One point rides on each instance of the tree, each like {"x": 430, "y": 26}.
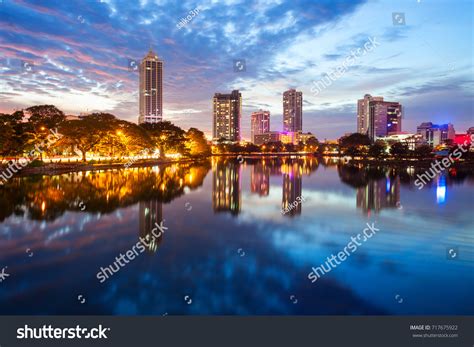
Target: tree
{"x": 423, "y": 151}
{"x": 399, "y": 149}
{"x": 11, "y": 133}
{"x": 352, "y": 151}
{"x": 48, "y": 116}
{"x": 377, "y": 149}
{"x": 312, "y": 143}
{"x": 196, "y": 142}
{"x": 43, "y": 119}
{"x": 168, "y": 137}
{"x": 355, "y": 139}
{"x": 87, "y": 133}
{"x": 132, "y": 137}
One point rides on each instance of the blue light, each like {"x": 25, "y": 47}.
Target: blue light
{"x": 441, "y": 190}
{"x": 387, "y": 189}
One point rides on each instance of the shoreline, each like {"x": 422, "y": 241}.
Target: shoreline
{"x": 51, "y": 169}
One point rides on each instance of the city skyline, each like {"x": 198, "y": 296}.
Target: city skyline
{"x": 83, "y": 65}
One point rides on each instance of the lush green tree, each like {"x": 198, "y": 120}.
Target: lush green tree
{"x": 196, "y": 142}
{"x": 399, "y": 149}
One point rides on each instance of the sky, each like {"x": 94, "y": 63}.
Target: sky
{"x": 75, "y": 55}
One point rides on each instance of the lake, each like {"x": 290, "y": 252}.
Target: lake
{"x": 237, "y": 243}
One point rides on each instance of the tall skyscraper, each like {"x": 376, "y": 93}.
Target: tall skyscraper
{"x": 292, "y": 111}
{"x": 151, "y": 89}
{"x": 363, "y": 112}
{"x": 227, "y": 111}
{"x": 260, "y": 123}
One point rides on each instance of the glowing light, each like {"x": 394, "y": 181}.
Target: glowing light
{"x": 441, "y": 190}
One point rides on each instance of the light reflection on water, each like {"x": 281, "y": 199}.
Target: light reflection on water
{"x": 229, "y": 246}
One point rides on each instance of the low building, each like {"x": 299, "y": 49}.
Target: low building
{"x": 271, "y": 136}
{"x": 304, "y": 137}
{"x": 435, "y": 134}
{"x": 412, "y": 140}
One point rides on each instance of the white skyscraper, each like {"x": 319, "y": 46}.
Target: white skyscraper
{"x": 151, "y": 89}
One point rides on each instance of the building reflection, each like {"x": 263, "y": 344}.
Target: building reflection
{"x": 150, "y": 215}
{"x": 379, "y": 194}
{"x": 226, "y": 195}
{"x": 292, "y": 188}
{"x": 260, "y": 179}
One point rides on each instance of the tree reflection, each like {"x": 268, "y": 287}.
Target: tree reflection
{"x": 48, "y": 197}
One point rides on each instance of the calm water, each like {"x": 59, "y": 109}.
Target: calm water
{"x": 229, "y": 249}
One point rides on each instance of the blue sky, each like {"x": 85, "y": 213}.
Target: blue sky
{"x": 79, "y": 51}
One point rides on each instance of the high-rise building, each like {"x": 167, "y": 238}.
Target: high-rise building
{"x": 363, "y": 112}
{"x": 292, "y": 111}
{"x": 227, "y": 111}
{"x": 151, "y": 89}
{"x": 435, "y": 134}
{"x": 385, "y": 118}
{"x": 260, "y": 123}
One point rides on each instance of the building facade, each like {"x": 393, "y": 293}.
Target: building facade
{"x": 363, "y": 112}
{"x": 435, "y": 134}
{"x": 260, "y": 123}
{"x": 270, "y": 136}
{"x": 227, "y": 111}
{"x": 151, "y": 89}
{"x": 292, "y": 111}
{"x": 377, "y": 118}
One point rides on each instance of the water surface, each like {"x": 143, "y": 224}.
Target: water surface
{"x": 229, "y": 249}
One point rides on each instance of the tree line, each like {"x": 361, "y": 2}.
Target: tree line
{"x": 99, "y": 133}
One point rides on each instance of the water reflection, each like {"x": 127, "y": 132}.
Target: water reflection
{"x": 49, "y": 197}
{"x": 237, "y": 206}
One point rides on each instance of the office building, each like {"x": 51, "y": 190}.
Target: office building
{"x": 363, "y": 112}
{"x": 435, "y": 134}
{"x": 260, "y": 123}
{"x": 151, "y": 89}
{"x": 227, "y": 111}
{"x": 292, "y": 111}
{"x": 385, "y": 118}
{"x": 270, "y": 136}
{"x": 377, "y": 118}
